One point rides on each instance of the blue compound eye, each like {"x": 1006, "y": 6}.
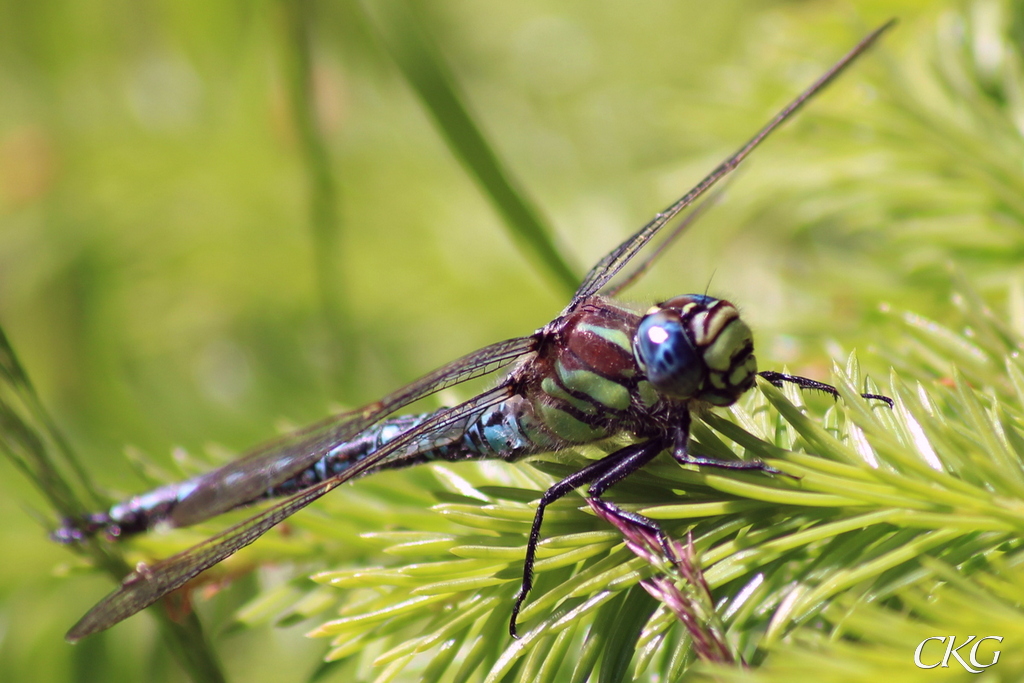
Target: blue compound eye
{"x": 664, "y": 351}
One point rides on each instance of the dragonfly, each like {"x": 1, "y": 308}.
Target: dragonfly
{"x": 598, "y": 371}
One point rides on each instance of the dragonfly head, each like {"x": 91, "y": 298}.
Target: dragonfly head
{"x": 696, "y": 347}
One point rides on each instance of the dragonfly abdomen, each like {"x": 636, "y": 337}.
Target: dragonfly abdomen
{"x": 346, "y": 454}
{"x": 499, "y": 432}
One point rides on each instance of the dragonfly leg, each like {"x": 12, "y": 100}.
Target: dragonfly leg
{"x": 628, "y": 464}
{"x": 778, "y": 378}
{"x": 682, "y": 455}
{"x": 600, "y": 474}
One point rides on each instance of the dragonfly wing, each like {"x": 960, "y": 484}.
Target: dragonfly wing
{"x": 148, "y": 584}
{"x": 242, "y": 481}
{"x": 615, "y": 260}
{"x": 640, "y": 268}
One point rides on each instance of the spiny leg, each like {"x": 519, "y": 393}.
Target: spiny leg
{"x": 604, "y": 473}
{"x": 616, "y": 465}
{"x": 613, "y": 468}
{"x": 631, "y": 462}
{"x": 682, "y": 455}
{"x": 777, "y": 379}
{"x": 617, "y": 472}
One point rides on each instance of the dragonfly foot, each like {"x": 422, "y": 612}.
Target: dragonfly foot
{"x": 778, "y": 378}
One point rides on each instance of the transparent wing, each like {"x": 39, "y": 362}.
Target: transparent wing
{"x": 243, "y": 480}
{"x": 148, "y": 584}
{"x": 653, "y": 254}
{"x": 615, "y": 260}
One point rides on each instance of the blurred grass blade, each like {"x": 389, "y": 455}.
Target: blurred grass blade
{"x": 324, "y": 220}
{"x": 410, "y": 46}
{"x": 30, "y": 440}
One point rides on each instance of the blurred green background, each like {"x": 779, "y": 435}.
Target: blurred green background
{"x": 177, "y": 271}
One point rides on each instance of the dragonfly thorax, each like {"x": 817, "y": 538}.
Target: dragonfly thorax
{"x": 696, "y": 347}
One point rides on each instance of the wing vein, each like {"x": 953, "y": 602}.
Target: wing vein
{"x": 148, "y": 584}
